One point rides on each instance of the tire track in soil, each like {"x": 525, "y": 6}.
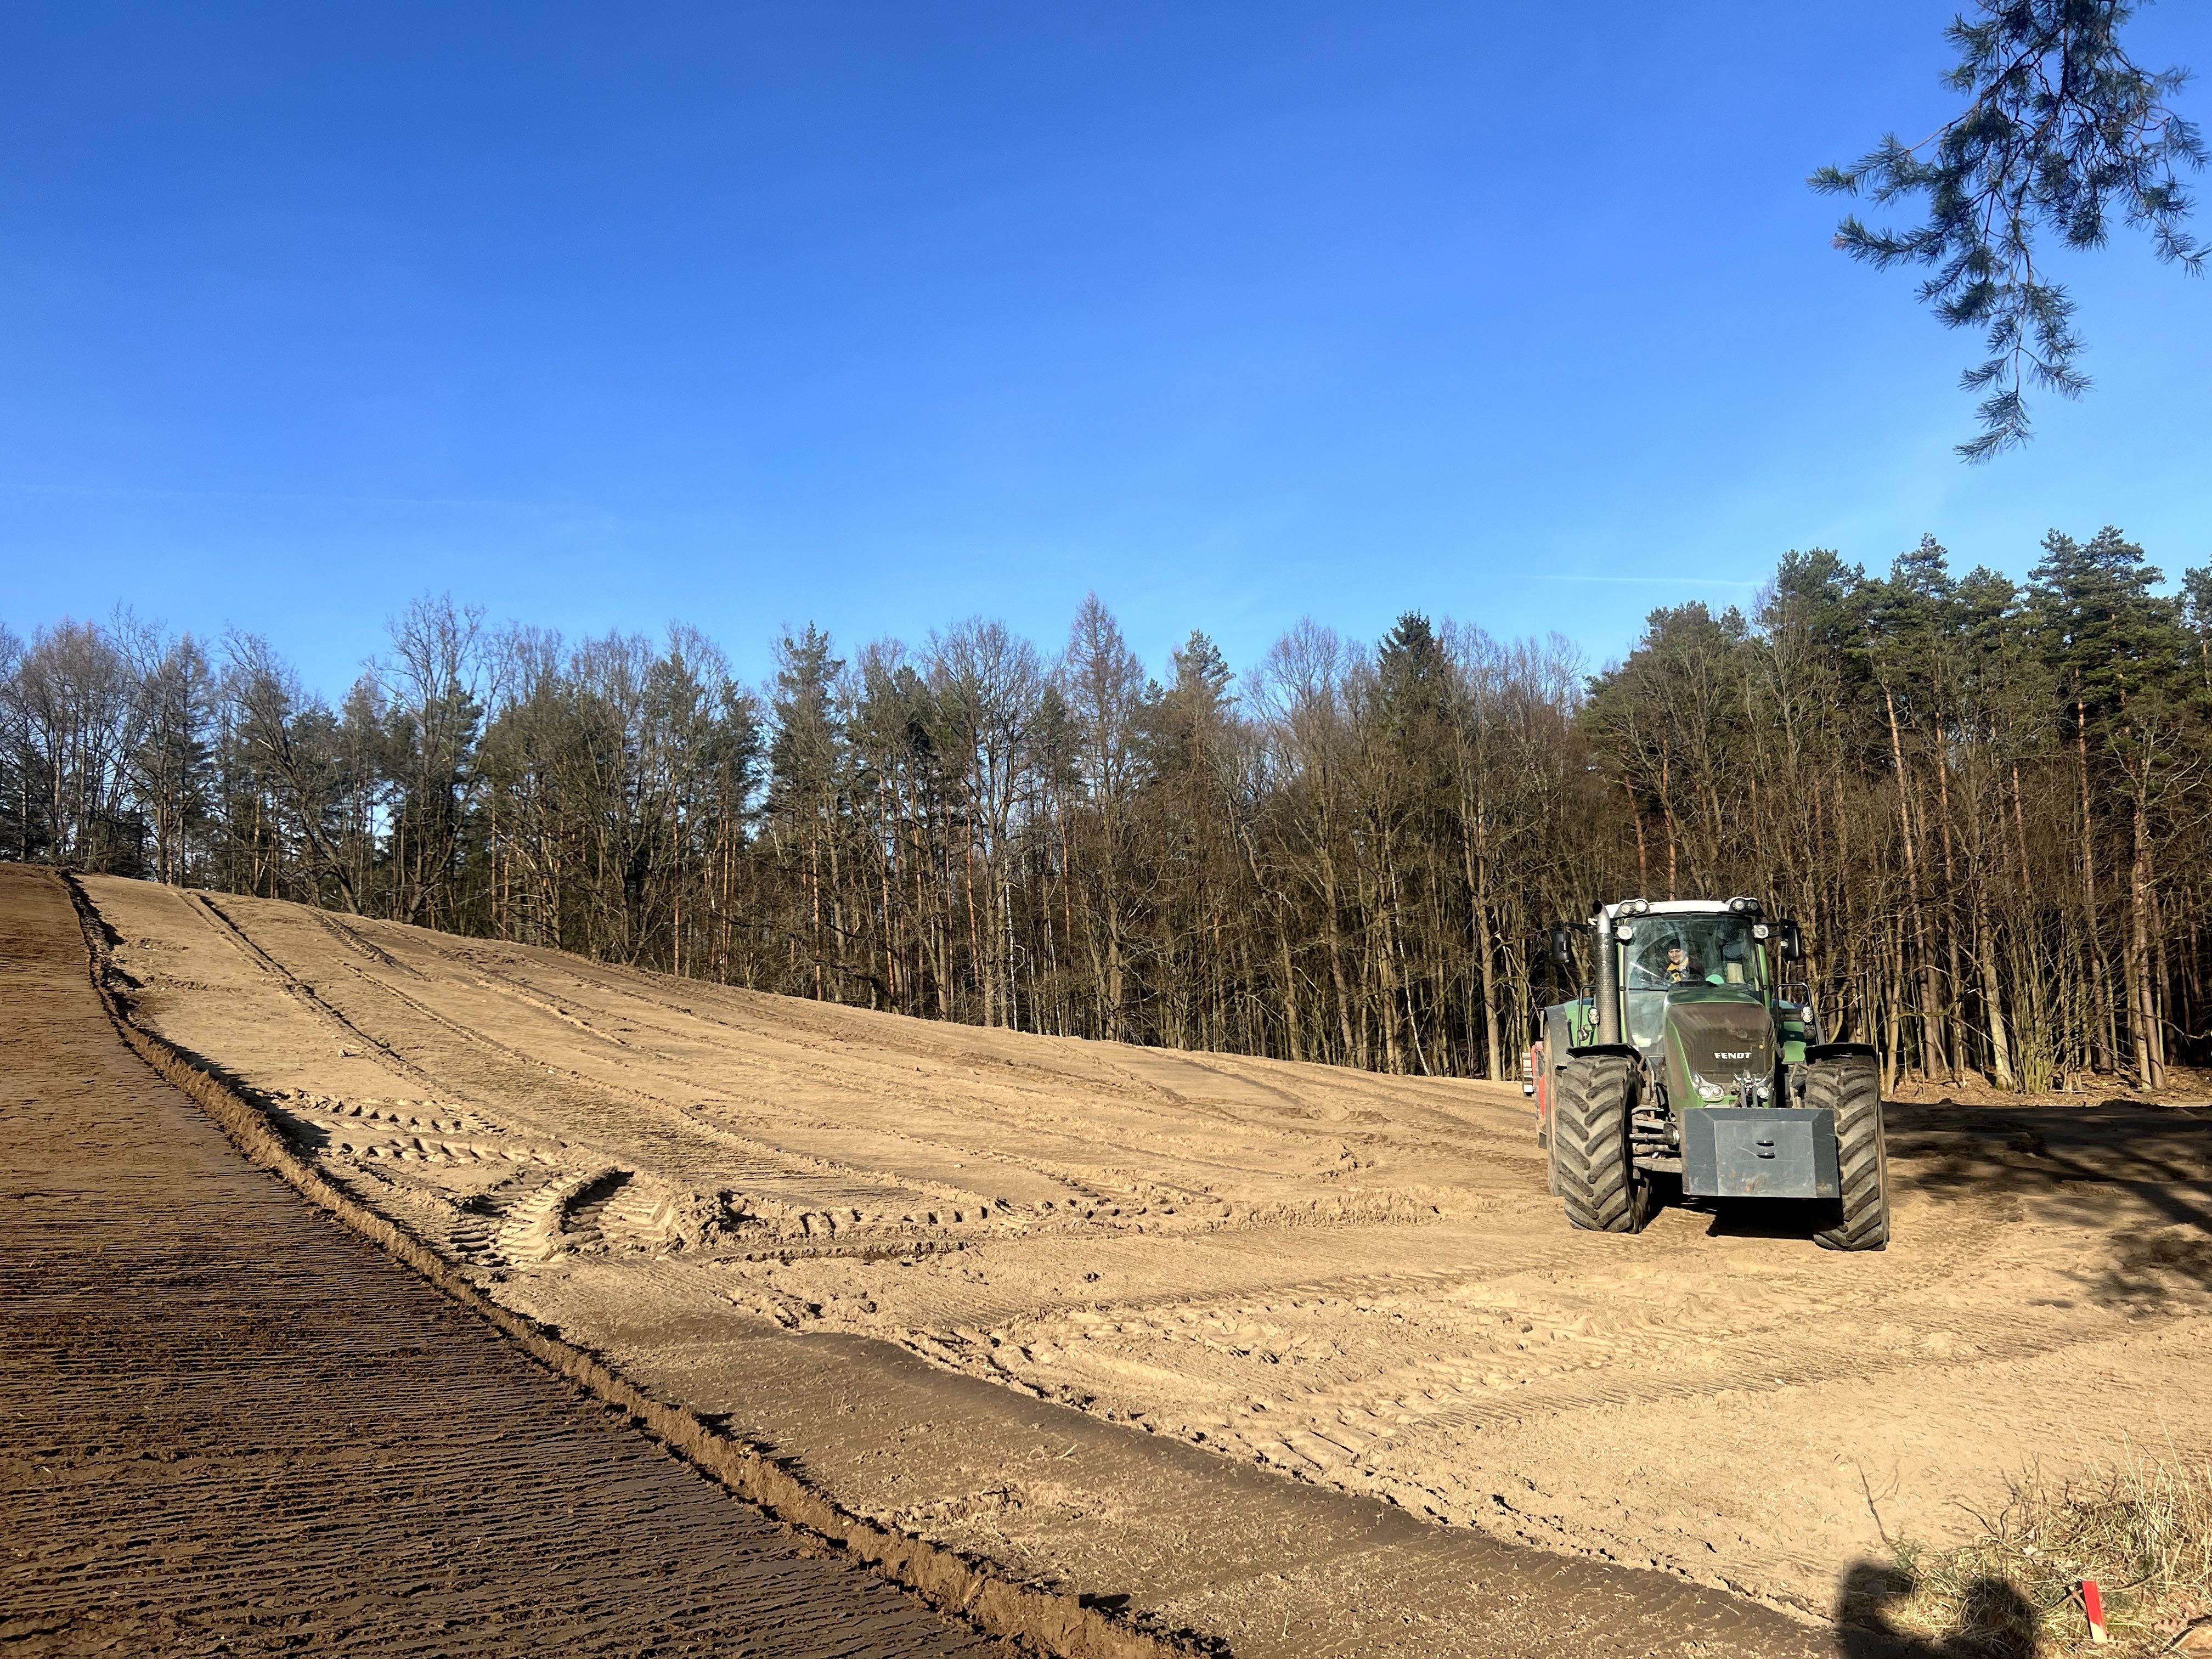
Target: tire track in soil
{"x": 521, "y": 991}
{"x": 236, "y": 1427}
{"x": 828, "y": 1060}
{"x": 660, "y": 1133}
{"x": 777, "y": 1166}
{"x": 1031, "y": 1090}
{"x": 532, "y": 1220}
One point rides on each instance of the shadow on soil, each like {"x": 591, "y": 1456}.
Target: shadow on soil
{"x": 1995, "y": 1622}
{"x": 2140, "y": 1174}
{"x": 1773, "y": 1218}
{"x": 2119, "y": 1166}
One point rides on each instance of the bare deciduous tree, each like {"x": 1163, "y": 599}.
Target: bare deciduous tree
{"x": 1987, "y": 802}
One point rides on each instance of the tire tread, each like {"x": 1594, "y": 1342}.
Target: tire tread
{"x": 1602, "y": 1187}
{"x": 1850, "y": 1086}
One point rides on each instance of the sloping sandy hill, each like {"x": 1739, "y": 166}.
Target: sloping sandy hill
{"x": 1356, "y": 1281}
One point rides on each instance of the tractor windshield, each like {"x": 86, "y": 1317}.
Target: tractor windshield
{"x": 1667, "y": 951}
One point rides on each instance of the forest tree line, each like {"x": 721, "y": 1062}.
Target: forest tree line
{"x": 1987, "y": 803}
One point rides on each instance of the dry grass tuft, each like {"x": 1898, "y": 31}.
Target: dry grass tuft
{"x": 2142, "y": 1529}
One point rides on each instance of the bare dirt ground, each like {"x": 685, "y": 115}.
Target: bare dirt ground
{"x": 1284, "y": 1273}
{"x": 231, "y": 1425}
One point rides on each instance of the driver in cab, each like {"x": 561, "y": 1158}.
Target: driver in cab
{"x": 1675, "y": 965}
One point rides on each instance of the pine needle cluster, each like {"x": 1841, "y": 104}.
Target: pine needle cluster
{"x": 2062, "y": 131}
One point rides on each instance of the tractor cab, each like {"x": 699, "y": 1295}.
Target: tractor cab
{"x": 1697, "y": 997}
{"x": 1685, "y": 1064}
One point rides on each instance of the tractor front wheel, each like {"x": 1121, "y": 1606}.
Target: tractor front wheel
{"x": 1604, "y": 1190}
{"x": 1850, "y": 1086}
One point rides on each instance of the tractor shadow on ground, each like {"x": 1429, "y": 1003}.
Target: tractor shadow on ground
{"x": 1764, "y": 1218}
{"x": 2141, "y": 1173}
{"x": 1995, "y": 1621}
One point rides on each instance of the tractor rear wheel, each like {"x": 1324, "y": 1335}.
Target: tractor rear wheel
{"x": 1604, "y": 1190}
{"x": 1850, "y": 1086}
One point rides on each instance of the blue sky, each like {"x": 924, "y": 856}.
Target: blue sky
{"x": 881, "y": 316}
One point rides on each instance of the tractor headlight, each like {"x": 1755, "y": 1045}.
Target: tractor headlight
{"x": 1623, "y": 931}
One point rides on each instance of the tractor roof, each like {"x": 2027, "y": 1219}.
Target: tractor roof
{"x": 1739, "y": 906}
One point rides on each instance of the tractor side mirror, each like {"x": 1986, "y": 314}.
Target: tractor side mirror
{"x": 1790, "y": 941}
{"x": 1563, "y": 948}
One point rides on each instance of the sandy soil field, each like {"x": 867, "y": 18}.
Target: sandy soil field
{"x": 1344, "y": 1280}
{"x": 230, "y": 1425}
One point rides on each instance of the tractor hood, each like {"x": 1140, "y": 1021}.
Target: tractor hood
{"x": 1716, "y": 1038}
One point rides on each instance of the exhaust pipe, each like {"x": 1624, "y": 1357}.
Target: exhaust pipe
{"x": 1608, "y": 984}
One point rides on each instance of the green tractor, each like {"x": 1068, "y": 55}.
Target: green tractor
{"x": 1684, "y": 1066}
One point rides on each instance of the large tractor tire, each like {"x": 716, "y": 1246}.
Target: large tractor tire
{"x": 1604, "y": 1191}
{"x": 1850, "y": 1086}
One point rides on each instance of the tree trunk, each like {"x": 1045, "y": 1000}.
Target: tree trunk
{"x": 2143, "y": 1013}
{"x": 1931, "y": 1035}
